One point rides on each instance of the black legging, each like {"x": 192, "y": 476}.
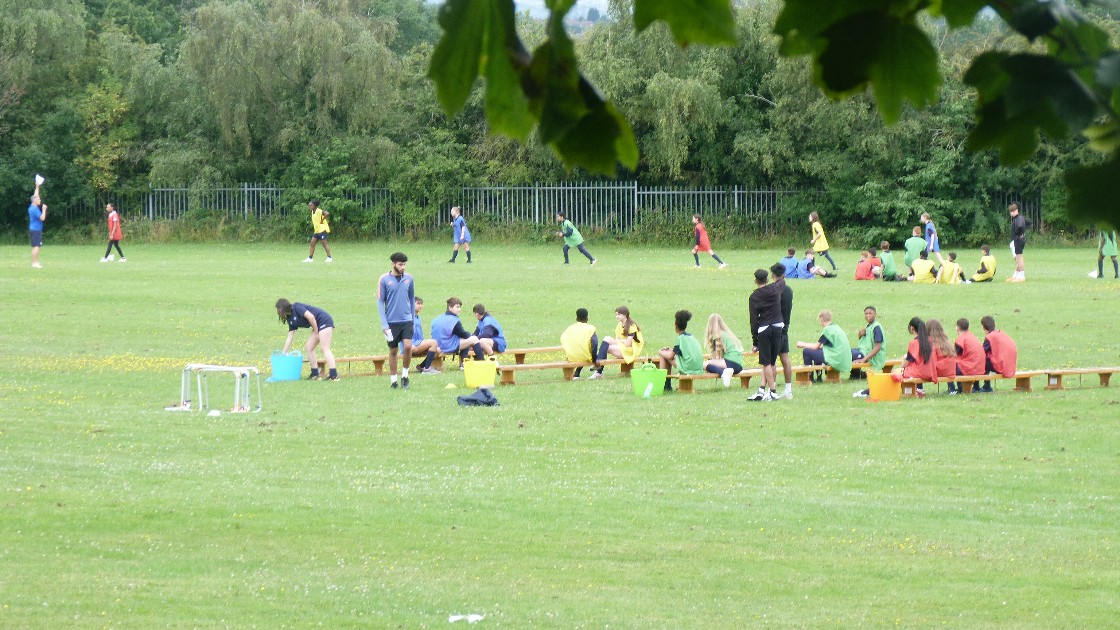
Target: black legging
{"x": 110, "y": 247}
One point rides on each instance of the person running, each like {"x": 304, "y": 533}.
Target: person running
{"x": 767, "y": 326}
{"x": 626, "y": 344}
{"x": 831, "y": 349}
{"x": 301, "y": 315}
{"x": 777, "y": 272}
{"x": 1002, "y": 356}
{"x": 933, "y": 243}
{"x": 580, "y": 342}
{"x": 113, "y": 220}
{"x": 987, "y": 270}
{"x": 572, "y": 238}
{"x": 460, "y": 235}
{"x": 396, "y": 307}
{"x": 1106, "y": 246}
{"x": 971, "y": 359}
{"x": 950, "y": 271}
{"x": 890, "y": 270}
{"x": 451, "y": 338}
{"x": 36, "y": 215}
{"x": 913, "y": 246}
{"x": 1018, "y": 242}
{"x": 687, "y": 355}
{"x": 871, "y": 346}
{"x": 726, "y": 350}
{"x": 320, "y": 228}
{"x": 701, "y": 242}
{"x": 489, "y": 331}
{"x": 819, "y": 244}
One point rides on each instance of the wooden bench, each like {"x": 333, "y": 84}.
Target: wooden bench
{"x": 1054, "y": 379}
{"x": 685, "y": 381}
{"x": 801, "y": 373}
{"x": 519, "y": 354}
{"x": 377, "y": 361}
{"x": 509, "y": 372}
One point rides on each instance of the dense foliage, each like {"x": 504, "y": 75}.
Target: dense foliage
{"x": 108, "y": 96}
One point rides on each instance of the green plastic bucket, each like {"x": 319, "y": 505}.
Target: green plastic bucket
{"x": 648, "y": 380}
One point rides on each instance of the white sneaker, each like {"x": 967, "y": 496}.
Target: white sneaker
{"x": 787, "y": 394}
{"x": 723, "y": 265}
{"x": 36, "y": 266}
{"x": 726, "y": 376}
{"x": 863, "y": 393}
{"x": 762, "y": 394}
{"x": 309, "y": 259}
{"x": 329, "y": 259}
{"x": 123, "y": 260}
{"x": 104, "y": 260}
{"x": 595, "y": 375}
{"x": 430, "y": 370}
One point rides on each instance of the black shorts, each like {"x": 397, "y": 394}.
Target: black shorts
{"x": 322, "y": 236}
{"x": 36, "y": 238}
{"x": 785, "y": 342}
{"x": 770, "y": 345}
{"x": 1019, "y": 244}
{"x": 400, "y": 332}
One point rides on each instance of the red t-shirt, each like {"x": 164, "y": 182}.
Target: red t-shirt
{"x": 114, "y": 221}
{"x": 701, "y": 234}
{"x": 1002, "y": 353}
{"x": 970, "y": 354}
{"x": 863, "y": 270}
{"x": 916, "y": 368}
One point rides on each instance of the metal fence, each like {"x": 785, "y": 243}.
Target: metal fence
{"x": 607, "y": 206}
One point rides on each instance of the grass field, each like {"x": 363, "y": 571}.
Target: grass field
{"x": 578, "y": 504}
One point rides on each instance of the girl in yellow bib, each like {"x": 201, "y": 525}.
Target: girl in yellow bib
{"x": 626, "y": 344}
{"x": 820, "y": 241}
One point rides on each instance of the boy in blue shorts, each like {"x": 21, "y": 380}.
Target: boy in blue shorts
{"x": 460, "y": 235}
{"x": 320, "y": 228}
{"x": 489, "y": 331}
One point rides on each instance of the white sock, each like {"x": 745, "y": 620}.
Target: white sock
{"x": 789, "y": 387}
{"x": 404, "y": 372}
{"x": 393, "y": 378}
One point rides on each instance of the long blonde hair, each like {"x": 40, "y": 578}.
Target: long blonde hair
{"x": 938, "y": 339}
{"x": 717, "y": 328}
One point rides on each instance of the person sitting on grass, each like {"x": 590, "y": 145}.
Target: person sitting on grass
{"x": 626, "y": 344}
{"x": 790, "y": 263}
{"x": 865, "y": 268}
{"x": 1001, "y": 355}
{"x": 831, "y": 349}
{"x": 950, "y": 272}
{"x": 489, "y": 331}
{"x": 919, "y": 361}
{"x": 921, "y": 270}
{"x": 421, "y": 346}
{"x": 987, "y": 269}
{"x": 890, "y": 270}
{"x": 687, "y": 355}
{"x": 944, "y": 355}
{"x": 871, "y": 347}
{"x": 451, "y": 338}
{"x": 580, "y": 341}
{"x": 726, "y": 349}
{"x": 971, "y": 359}
{"x": 807, "y": 267}
{"x": 876, "y": 262}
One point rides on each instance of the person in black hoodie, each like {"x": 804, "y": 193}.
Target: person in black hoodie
{"x": 767, "y": 329}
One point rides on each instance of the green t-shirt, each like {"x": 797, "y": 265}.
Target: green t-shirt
{"x": 889, "y": 268}
{"x": 837, "y": 352}
{"x": 732, "y": 351}
{"x": 691, "y": 357}
{"x": 914, "y": 246}
{"x": 575, "y": 239}
{"x": 867, "y": 343}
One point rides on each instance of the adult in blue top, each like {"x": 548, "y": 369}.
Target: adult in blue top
{"x": 396, "y": 306}
{"x": 301, "y": 315}
{"x": 489, "y": 331}
{"x": 933, "y": 243}
{"x": 36, "y": 214}
{"x": 450, "y": 336}
{"x": 460, "y": 235}
{"x": 790, "y": 263}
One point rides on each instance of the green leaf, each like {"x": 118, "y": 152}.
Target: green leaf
{"x": 458, "y": 56}
{"x": 1107, "y": 74}
{"x": 692, "y": 21}
{"x": 507, "y": 108}
{"x": 1092, "y": 193}
{"x": 801, "y": 22}
{"x": 896, "y": 58}
{"x": 1103, "y": 138}
{"x": 1033, "y": 19}
{"x": 957, "y": 13}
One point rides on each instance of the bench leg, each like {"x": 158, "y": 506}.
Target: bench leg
{"x": 802, "y": 378}
{"x": 569, "y": 372}
{"x": 745, "y": 381}
{"x": 684, "y": 386}
{"x": 378, "y": 366}
{"x": 625, "y": 368}
{"x": 1053, "y": 381}
{"x": 832, "y": 376}
{"x": 1104, "y": 378}
{"x": 1022, "y": 383}
{"x": 507, "y": 377}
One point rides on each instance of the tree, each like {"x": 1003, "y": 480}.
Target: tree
{"x": 1060, "y": 77}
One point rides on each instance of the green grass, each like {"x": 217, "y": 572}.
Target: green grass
{"x": 572, "y": 504}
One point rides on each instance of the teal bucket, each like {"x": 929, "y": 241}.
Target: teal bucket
{"x": 286, "y": 367}
{"x": 648, "y": 380}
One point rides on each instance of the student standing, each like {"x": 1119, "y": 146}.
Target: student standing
{"x": 320, "y": 228}
{"x": 933, "y": 242}
{"x": 820, "y": 241}
{"x": 572, "y": 238}
{"x": 301, "y": 315}
{"x": 460, "y": 235}
{"x": 1018, "y": 242}
{"x": 36, "y": 215}
{"x": 396, "y": 307}
{"x": 1106, "y": 246}
{"x": 701, "y": 243}
{"x": 765, "y": 307}
{"x": 777, "y": 272}
{"x": 113, "y": 220}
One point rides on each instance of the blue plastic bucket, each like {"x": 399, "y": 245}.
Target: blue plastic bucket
{"x": 286, "y": 367}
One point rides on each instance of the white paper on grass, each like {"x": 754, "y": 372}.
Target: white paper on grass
{"x": 472, "y": 618}
{"x": 39, "y": 179}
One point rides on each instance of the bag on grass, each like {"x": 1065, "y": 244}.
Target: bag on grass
{"x": 482, "y": 397}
